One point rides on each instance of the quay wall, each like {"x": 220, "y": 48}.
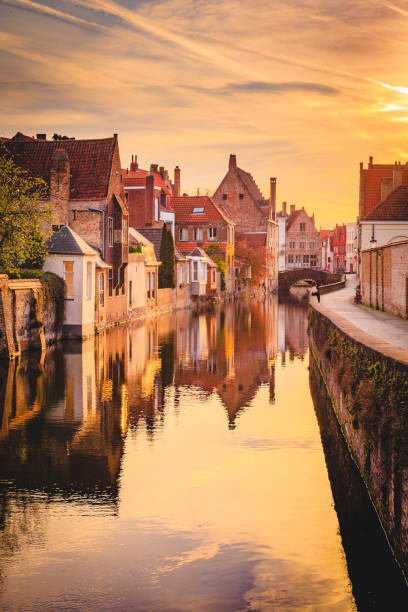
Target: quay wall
{"x": 31, "y": 314}
{"x": 367, "y": 381}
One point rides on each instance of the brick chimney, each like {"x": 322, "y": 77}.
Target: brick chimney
{"x": 134, "y": 165}
{"x": 272, "y": 210}
{"x": 292, "y": 209}
{"x": 232, "y": 161}
{"x": 60, "y": 173}
{"x": 177, "y": 183}
{"x": 397, "y": 175}
{"x": 370, "y": 161}
{"x": 153, "y": 168}
{"x": 149, "y": 200}
{"x": 284, "y": 213}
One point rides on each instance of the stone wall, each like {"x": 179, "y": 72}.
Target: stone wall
{"x": 367, "y": 382}
{"x": 28, "y": 318}
{"x": 384, "y": 278}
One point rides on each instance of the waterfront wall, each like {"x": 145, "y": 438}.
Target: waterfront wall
{"x": 368, "y": 385}
{"x": 384, "y": 278}
{"x": 31, "y": 314}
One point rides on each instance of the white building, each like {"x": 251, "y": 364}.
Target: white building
{"x": 351, "y": 247}
{"x": 281, "y": 219}
{"x": 388, "y": 222}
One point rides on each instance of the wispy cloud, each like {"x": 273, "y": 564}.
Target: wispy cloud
{"x": 51, "y": 12}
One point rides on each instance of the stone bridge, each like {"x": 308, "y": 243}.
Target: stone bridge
{"x": 287, "y": 278}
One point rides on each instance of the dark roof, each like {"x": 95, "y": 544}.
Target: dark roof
{"x": 67, "y": 242}
{"x": 178, "y": 255}
{"x": 154, "y": 235}
{"x": 90, "y": 161}
{"x": 393, "y": 208}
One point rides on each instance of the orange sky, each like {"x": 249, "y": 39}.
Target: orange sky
{"x": 302, "y": 91}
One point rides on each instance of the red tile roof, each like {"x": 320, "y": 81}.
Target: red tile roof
{"x": 91, "y": 162}
{"x": 137, "y": 178}
{"x": 186, "y": 247}
{"x": 184, "y": 206}
{"x": 393, "y": 208}
{"x": 324, "y": 234}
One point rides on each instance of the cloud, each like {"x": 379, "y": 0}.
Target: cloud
{"x": 51, "y": 12}
{"x": 264, "y": 86}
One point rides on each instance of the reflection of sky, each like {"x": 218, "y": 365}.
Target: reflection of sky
{"x": 207, "y": 518}
{"x": 288, "y": 87}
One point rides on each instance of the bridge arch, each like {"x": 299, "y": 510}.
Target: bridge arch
{"x": 287, "y": 278}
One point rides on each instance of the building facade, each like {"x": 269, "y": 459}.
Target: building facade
{"x": 253, "y": 215}
{"x": 339, "y": 248}
{"x": 351, "y": 247}
{"x": 303, "y": 241}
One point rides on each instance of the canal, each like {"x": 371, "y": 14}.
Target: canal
{"x": 184, "y": 463}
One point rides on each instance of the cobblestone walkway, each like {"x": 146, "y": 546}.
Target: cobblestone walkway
{"x": 380, "y": 325}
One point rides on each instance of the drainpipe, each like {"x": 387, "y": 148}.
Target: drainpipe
{"x": 102, "y": 212}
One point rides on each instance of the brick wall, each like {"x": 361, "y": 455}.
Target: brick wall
{"x": 384, "y": 274}
{"x": 244, "y": 212}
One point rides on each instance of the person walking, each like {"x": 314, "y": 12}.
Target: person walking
{"x": 317, "y": 293}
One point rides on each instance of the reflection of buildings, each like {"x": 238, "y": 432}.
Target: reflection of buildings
{"x": 292, "y": 334}
{"x": 231, "y": 351}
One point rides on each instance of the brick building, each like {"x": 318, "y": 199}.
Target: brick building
{"x": 303, "y": 241}
{"x": 200, "y": 221}
{"x": 339, "y": 248}
{"x": 147, "y": 195}
{"x": 384, "y": 278}
{"x": 85, "y": 193}
{"x": 377, "y": 181}
{"x": 253, "y": 215}
{"x": 327, "y": 249}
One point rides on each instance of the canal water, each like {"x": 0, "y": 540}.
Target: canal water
{"x": 184, "y": 463}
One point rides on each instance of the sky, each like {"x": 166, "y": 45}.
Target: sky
{"x": 302, "y": 90}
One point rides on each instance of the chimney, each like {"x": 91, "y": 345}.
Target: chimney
{"x": 41, "y": 136}
{"x": 284, "y": 214}
{"x": 60, "y": 181}
{"x": 161, "y": 171}
{"x": 232, "y": 161}
{"x": 149, "y": 200}
{"x": 272, "y": 213}
{"x": 134, "y": 165}
{"x": 370, "y": 161}
{"x": 177, "y": 184}
{"x": 292, "y": 209}
{"x": 153, "y": 168}
{"x": 396, "y": 175}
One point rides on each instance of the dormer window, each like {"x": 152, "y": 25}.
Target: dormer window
{"x": 198, "y": 210}
{"x": 224, "y": 196}
{"x": 241, "y": 196}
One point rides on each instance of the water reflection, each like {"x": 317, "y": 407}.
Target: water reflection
{"x": 174, "y": 464}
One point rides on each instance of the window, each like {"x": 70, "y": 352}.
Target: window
{"x": 303, "y": 227}
{"x": 292, "y": 244}
{"x": 101, "y": 289}
{"x": 88, "y": 280}
{"x": 198, "y": 233}
{"x": 212, "y": 233}
{"x": 156, "y": 209}
{"x": 125, "y": 231}
{"x": 130, "y": 293}
{"x": 148, "y": 284}
{"x": 313, "y": 260}
{"x": 213, "y": 276}
{"x": 110, "y": 282}
{"x": 195, "y": 270}
{"x": 110, "y": 231}
{"x": 183, "y": 234}
{"x": 305, "y": 259}
{"x": 290, "y": 258}
{"x": 241, "y": 196}
{"x": 69, "y": 279}
{"x": 153, "y": 284}
{"x": 180, "y": 275}
{"x": 298, "y": 259}
{"x": 224, "y": 196}
{"x": 127, "y": 197}
{"x": 301, "y": 245}
{"x": 312, "y": 246}
{"x": 188, "y": 272}
{"x": 198, "y": 210}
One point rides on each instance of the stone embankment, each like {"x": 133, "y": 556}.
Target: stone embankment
{"x": 367, "y": 380}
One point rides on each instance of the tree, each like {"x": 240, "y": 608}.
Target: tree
{"x": 167, "y": 275}
{"x": 23, "y": 216}
{"x": 256, "y": 257}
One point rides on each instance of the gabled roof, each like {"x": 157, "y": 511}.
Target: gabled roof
{"x": 153, "y": 234}
{"x": 295, "y": 215}
{"x": 393, "y": 208}
{"x": 90, "y": 161}
{"x": 324, "y": 234}
{"x": 185, "y": 205}
{"x": 67, "y": 242}
{"x": 138, "y": 237}
{"x": 199, "y": 252}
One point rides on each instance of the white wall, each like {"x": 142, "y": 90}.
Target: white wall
{"x": 385, "y": 232}
{"x": 281, "y": 243}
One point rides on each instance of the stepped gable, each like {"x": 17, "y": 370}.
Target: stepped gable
{"x": 292, "y": 218}
{"x": 393, "y": 208}
{"x": 184, "y": 206}
{"x": 90, "y": 162}
{"x": 252, "y": 187}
